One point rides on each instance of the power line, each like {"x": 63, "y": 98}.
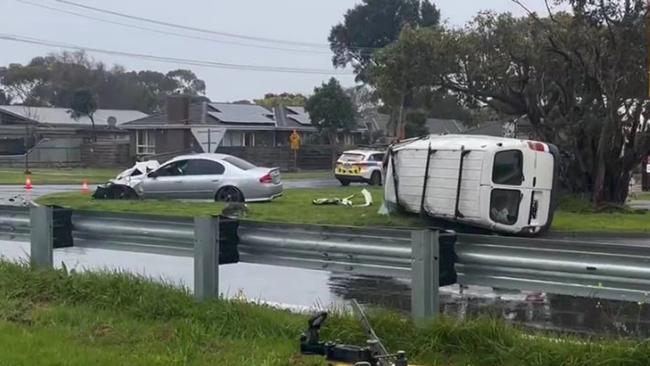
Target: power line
{"x": 195, "y": 29}
{"x": 209, "y": 31}
{"x": 168, "y": 32}
{"x": 174, "y": 60}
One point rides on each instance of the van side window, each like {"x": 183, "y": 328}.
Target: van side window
{"x": 504, "y": 206}
{"x": 508, "y": 168}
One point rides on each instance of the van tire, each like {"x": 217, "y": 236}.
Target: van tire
{"x": 344, "y": 182}
{"x": 375, "y": 179}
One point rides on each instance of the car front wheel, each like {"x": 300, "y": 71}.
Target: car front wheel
{"x": 229, "y": 194}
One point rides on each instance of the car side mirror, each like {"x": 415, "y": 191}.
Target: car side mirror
{"x": 153, "y": 175}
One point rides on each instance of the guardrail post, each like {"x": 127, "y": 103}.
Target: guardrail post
{"x": 42, "y": 237}
{"x": 206, "y": 257}
{"x": 424, "y": 274}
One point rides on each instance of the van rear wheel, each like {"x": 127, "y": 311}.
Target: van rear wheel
{"x": 344, "y": 182}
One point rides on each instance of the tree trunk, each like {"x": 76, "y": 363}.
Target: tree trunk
{"x": 334, "y": 145}
{"x": 93, "y": 132}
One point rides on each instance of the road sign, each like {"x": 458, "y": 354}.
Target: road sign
{"x": 295, "y": 141}
{"x": 208, "y": 138}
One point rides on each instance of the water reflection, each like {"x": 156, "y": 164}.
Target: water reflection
{"x": 530, "y": 309}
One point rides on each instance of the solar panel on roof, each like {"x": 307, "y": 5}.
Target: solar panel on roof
{"x": 242, "y": 113}
{"x": 303, "y": 119}
{"x": 299, "y": 115}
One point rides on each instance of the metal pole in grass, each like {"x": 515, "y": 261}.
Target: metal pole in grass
{"x": 206, "y": 257}
{"x": 424, "y": 274}
{"x": 42, "y": 237}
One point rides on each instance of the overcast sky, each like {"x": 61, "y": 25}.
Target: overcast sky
{"x": 306, "y": 21}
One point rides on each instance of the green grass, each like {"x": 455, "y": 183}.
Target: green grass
{"x": 294, "y": 207}
{"x": 97, "y": 175}
{"x": 602, "y": 222}
{"x": 60, "y": 318}
{"x": 57, "y": 176}
{"x": 645, "y": 196}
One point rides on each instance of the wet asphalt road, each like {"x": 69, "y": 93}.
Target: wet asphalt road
{"x": 7, "y": 192}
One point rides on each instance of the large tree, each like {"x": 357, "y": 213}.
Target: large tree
{"x": 578, "y": 77}
{"x": 84, "y": 104}
{"x": 373, "y": 24}
{"x": 52, "y": 81}
{"x": 271, "y": 100}
{"x": 332, "y": 111}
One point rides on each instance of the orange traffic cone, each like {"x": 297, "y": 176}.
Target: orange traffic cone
{"x": 84, "y": 187}
{"x": 28, "y": 183}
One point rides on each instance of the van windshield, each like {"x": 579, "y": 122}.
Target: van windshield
{"x": 508, "y": 168}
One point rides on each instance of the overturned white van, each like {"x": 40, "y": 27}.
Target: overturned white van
{"x": 501, "y": 184}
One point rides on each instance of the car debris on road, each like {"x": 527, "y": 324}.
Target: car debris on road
{"x": 346, "y": 201}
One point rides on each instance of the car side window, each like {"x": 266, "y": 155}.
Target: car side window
{"x": 173, "y": 169}
{"x": 377, "y": 157}
{"x": 204, "y": 167}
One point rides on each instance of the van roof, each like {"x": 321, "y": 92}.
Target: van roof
{"x": 455, "y": 142}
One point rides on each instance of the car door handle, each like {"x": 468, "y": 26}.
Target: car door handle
{"x": 216, "y": 180}
{"x": 178, "y": 181}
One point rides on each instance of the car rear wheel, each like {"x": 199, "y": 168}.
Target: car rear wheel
{"x": 344, "y": 182}
{"x": 375, "y": 179}
{"x": 229, "y": 194}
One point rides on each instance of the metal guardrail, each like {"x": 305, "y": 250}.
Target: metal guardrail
{"x": 359, "y": 251}
{"x": 14, "y": 223}
{"x": 615, "y": 270}
{"x": 133, "y": 232}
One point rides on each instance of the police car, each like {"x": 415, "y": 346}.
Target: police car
{"x": 362, "y": 166}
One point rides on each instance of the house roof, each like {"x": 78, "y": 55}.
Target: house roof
{"x": 439, "y": 126}
{"x": 496, "y": 128}
{"x": 233, "y": 116}
{"x": 61, "y": 116}
{"x": 241, "y": 113}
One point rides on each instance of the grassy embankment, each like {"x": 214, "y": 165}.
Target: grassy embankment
{"x": 59, "y": 318}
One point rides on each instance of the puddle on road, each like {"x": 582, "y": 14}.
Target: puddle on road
{"x": 305, "y": 289}
{"x": 583, "y": 316}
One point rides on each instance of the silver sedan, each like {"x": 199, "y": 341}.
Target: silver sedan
{"x": 200, "y": 176}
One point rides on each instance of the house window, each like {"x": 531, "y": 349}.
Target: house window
{"x": 248, "y": 139}
{"x": 238, "y": 138}
{"x": 145, "y": 142}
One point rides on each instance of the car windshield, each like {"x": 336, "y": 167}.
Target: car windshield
{"x": 347, "y": 157}
{"x": 239, "y": 163}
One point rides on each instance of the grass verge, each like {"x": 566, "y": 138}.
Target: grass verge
{"x": 296, "y": 207}
{"x": 57, "y": 176}
{"x": 56, "y": 318}
{"x": 77, "y": 175}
